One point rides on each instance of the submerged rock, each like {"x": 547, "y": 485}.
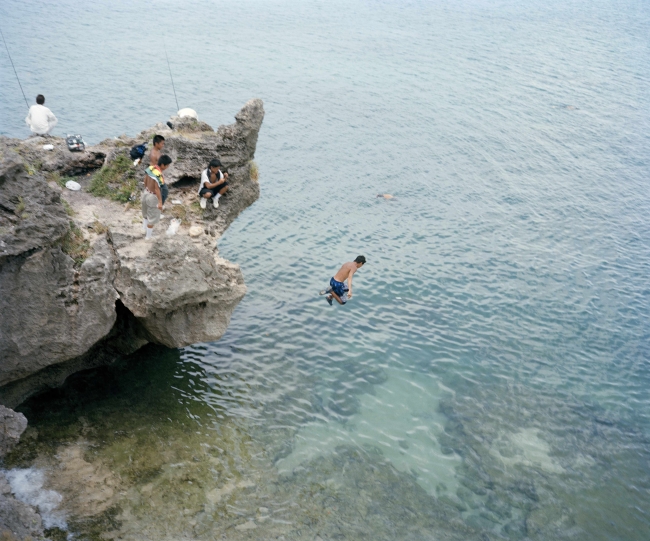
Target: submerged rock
{"x": 16, "y": 517}
{"x": 79, "y": 285}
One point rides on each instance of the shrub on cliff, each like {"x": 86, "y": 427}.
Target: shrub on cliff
{"x": 116, "y": 181}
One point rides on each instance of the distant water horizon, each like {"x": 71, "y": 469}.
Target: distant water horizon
{"x": 491, "y": 375}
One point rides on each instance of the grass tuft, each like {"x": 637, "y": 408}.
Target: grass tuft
{"x": 255, "y": 172}
{"x": 20, "y": 207}
{"x": 68, "y": 209}
{"x": 56, "y": 177}
{"x": 74, "y": 244}
{"x": 182, "y": 213}
{"x": 99, "y": 227}
{"x": 116, "y": 181}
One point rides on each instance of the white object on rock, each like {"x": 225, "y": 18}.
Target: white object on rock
{"x": 72, "y": 185}
{"x": 48, "y": 147}
{"x": 186, "y": 111}
{"x": 176, "y": 202}
{"x": 173, "y": 226}
{"x": 195, "y": 230}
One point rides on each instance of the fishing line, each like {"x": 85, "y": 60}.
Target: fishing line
{"x": 12, "y": 65}
{"x": 170, "y": 76}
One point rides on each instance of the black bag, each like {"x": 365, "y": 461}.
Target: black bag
{"x": 137, "y": 152}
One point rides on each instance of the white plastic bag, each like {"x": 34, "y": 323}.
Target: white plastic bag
{"x": 173, "y": 226}
{"x": 72, "y": 185}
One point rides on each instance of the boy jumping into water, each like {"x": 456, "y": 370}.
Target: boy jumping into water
{"x": 338, "y": 290}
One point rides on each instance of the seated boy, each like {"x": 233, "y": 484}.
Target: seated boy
{"x": 213, "y": 184}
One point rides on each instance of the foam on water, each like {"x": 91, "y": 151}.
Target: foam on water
{"x": 27, "y": 486}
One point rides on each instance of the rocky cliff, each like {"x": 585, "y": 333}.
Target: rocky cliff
{"x": 79, "y": 284}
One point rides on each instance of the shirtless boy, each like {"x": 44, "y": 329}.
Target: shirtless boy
{"x": 338, "y": 290}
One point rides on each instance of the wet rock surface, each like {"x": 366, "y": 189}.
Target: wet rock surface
{"x": 16, "y": 518}
{"x": 67, "y": 257}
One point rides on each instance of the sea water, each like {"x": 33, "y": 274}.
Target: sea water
{"x": 490, "y": 376}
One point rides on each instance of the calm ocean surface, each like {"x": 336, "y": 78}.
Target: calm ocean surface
{"x": 491, "y": 376}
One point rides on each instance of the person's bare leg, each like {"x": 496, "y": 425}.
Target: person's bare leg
{"x": 338, "y": 299}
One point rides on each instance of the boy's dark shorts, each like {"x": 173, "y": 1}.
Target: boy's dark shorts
{"x": 213, "y": 191}
{"x": 164, "y": 192}
{"x": 340, "y": 289}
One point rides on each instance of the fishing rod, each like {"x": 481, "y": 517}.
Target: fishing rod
{"x": 12, "y": 65}
{"x": 170, "y": 75}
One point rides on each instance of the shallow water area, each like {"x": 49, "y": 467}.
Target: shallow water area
{"x": 490, "y": 377}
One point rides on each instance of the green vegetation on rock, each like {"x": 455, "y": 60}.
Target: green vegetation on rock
{"x": 74, "y": 244}
{"x": 116, "y": 181}
{"x": 255, "y": 172}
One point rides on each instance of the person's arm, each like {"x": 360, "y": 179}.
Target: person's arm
{"x": 214, "y": 184}
{"x": 51, "y": 119}
{"x": 158, "y": 195}
{"x": 350, "y": 284}
{"x": 28, "y": 120}
{"x": 153, "y": 157}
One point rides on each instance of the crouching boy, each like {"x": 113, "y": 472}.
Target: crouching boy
{"x": 213, "y": 184}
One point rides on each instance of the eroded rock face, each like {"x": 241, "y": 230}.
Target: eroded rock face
{"x": 180, "y": 292}
{"x": 58, "y": 314}
{"x": 49, "y": 311}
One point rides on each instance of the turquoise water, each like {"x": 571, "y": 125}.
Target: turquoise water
{"x": 490, "y": 376}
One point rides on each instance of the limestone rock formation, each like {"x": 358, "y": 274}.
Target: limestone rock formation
{"x": 186, "y": 298}
{"x": 80, "y": 285}
{"x": 12, "y": 425}
{"x": 49, "y": 311}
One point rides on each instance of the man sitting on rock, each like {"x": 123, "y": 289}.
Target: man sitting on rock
{"x": 213, "y": 184}
{"x": 152, "y": 201}
{"x": 40, "y": 119}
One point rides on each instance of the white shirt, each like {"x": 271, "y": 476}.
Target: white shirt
{"x": 205, "y": 179}
{"x": 40, "y": 119}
